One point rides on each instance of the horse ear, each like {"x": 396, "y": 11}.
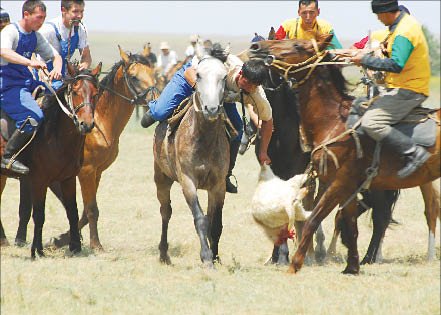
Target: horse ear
{"x": 272, "y": 34}
{"x": 95, "y": 72}
{"x": 146, "y": 51}
{"x": 71, "y": 69}
{"x": 324, "y": 40}
{"x": 123, "y": 55}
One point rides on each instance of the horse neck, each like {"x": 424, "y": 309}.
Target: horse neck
{"x": 112, "y": 112}
{"x": 320, "y": 110}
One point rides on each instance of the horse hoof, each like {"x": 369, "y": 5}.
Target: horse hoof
{"x": 351, "y": 271}
{"x": 4, "y": 242}
{"x": 20, "y": 243}
{"x": 208, "y": 264}
{"x": 165, "y": 260}
{"x": 75, "y": 249}
{"x": 291, "y": 269}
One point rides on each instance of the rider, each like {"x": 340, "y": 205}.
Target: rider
{"x": 167, "y": 58}
{"x": 307, "y": 25}
{"x": 66, "y": 33}
{"x": 407, "y": 70}
{"x": 245, "y": 77}
{"x": 18, "y": 42}
{"x": 190, "y": 50}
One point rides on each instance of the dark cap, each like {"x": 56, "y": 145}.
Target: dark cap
{"x": 382, "y": 6}
{"x": 4, "y": 16}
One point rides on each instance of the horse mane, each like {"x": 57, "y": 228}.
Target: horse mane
{"x": 107, "y": 81}
{"x": 335, "y": 76}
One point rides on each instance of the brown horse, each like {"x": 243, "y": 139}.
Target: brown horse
{"x": 197, "y": 156}
{"x": 56, "y": 153}
{"x": 130, "y": 82}
{"x": 323, "y": 103}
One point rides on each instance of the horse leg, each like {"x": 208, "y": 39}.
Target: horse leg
{"x": 24, "y": 211}
{"x": 200, "y": 220}
{"x": 216, "y": 197}
{"x": 349, "y": 235}
{"x": 381, "y": 204}
{"x": 332, "y": 196}
{"x": 68, "y": 189}
{"x": 163, "y": 186}
{"x": 332, "y": 249}
{"x": 38, "y": 215}
{"x": 3, "y": 239}
{"x": 89, "y": 181}
{"x": 432, "y": 212}
{"x": 64, "y": 238}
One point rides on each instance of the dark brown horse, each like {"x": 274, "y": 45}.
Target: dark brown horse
{"x": 56, "y": 153}
{"x": 197, "y": 156}
{"x": 323, "y": 103}
{"x": 130, "y": 82}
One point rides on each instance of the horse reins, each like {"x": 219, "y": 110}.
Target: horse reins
{"x": 138, "y": 98}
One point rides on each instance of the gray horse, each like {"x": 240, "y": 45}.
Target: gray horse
{"x": 196, "y": 155}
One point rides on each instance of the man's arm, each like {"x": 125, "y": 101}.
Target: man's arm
{"x": 11, "y": 56}
{"x": 266, "y": 132}
{"x": 86, "y": 58}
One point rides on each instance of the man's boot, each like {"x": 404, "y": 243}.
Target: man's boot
{"x": 249, "y": 133}
{"x": 16, "y": 142}
{"x": 234, "y": 149}
{"x": 147, "y": 120}
{"x": 414, "y": 155}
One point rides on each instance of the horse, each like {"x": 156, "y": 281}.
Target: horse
{"x": 288, "y": 160}
{"x": 128, "y": 83}
{"x": 56, "y": 153}
{"x": 323, "y": 107}
{"x": 196, "y": 155}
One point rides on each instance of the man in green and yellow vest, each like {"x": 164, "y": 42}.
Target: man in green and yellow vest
{"x": 307, "y": 25}
{"x": 407, "y": 68}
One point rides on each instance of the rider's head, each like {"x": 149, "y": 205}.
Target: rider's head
{"x": 34, "y": 14}
{"x": 4, "y": 18}
{"x": 308, "y": 11}
{"x": 252, "y": 75}
{"x": 72, "y": 10}
{"x": 386, "y": 10}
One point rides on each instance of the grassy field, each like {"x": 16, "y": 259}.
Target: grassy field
{"x": 128, "y": 279}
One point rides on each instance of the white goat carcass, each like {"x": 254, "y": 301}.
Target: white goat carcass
{"x": 276, "y": 204}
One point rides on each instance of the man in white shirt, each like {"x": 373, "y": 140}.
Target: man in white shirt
{"x": 190, "y": 50}
{"x": 166, "y": 59}
{"x": 66, "y": 33}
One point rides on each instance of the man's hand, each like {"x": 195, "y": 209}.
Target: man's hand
{"x": 190, "y": 76}
{"x": 37, "y": 64}
{"x": 83, "y": 66}
{"x": 357, "y": 58}
{"x": 55, "y": 74}
{"x": 264, "y": 158}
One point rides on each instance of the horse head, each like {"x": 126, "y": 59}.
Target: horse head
{"x": 139, "y": 75}
{"x": 286, "y": 56}
{"x": 210, "y": 85}
{"x": 81, "y": 95}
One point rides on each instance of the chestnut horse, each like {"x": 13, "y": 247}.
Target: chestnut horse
{"x": 56, "y": 153}
{"x": 129, "y": 82}
{"x": 322, "y": 104}
{"x": 197, "y": 156}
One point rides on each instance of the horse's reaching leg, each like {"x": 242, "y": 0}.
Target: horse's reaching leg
{"x": 432, "y": 212}
{"x": 68, "y": 188}
{"x": 24, "y": 210}
{"x": 349, "y": 235}
{"x": 332, "y": 196}
{"x": 200, "y": 220}
{"x": 3, "y": 239}
{"x": 332, "y": 249}
{"x": 38, "y": 215}
{"x": 320, "y": 249}
{"x": 163, "y": 186}
{"x": 89, "y": 181}
{"x": 216, "y": 197}
{"x": 381, "y": 203}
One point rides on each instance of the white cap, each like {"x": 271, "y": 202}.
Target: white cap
{"x": 194, "y": 38}
{"x": 164, "y": 45}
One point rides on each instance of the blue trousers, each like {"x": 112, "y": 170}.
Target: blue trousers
{"x": 176, "y": 91}
{"x": 19, "y": 104}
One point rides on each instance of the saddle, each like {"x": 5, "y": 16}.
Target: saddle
{"x": 179, "y": 113}
{"x": 420, "y": 124}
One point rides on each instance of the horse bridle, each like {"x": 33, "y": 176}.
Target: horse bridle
{"x": 72, "y": 111}
{"x": 137, "y": 98}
